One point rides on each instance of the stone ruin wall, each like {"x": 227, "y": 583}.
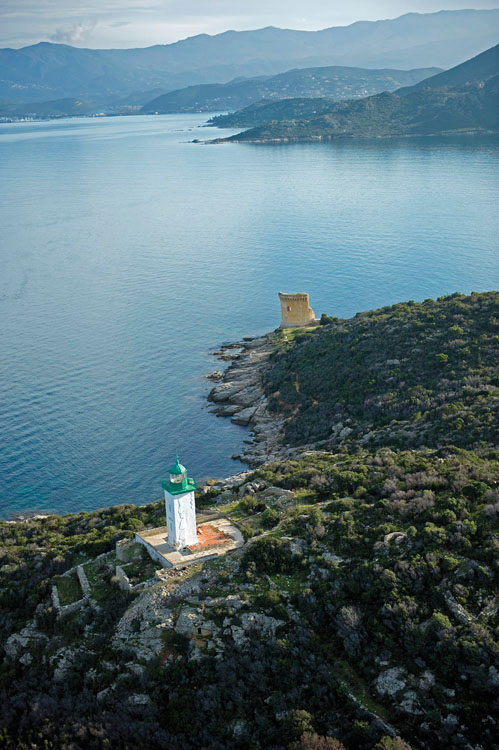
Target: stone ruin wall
{"x": 295, "y": 310}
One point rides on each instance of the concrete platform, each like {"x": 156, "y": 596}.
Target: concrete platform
{"x": 215, "y": 538}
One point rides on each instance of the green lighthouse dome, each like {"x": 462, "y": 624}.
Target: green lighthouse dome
{"x": 178, "y": 482}
{"x": 177, "y": 468}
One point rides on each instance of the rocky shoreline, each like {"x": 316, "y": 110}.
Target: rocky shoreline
{"x": 239, "y": 395}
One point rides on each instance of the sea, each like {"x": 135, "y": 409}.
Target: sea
{"x": 129, "y": 254}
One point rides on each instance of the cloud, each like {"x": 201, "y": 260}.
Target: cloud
{"x": 74, "y": 32}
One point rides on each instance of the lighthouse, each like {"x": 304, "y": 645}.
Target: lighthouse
{"x": 180, "y": 507}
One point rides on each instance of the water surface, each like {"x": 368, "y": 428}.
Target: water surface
{"x": 127, "y": 254}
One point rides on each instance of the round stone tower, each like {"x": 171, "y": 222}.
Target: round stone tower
{"x": 295, "y": 310}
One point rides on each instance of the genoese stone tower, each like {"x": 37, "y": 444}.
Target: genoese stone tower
{"x": 180, "y": 507}
{"x": 295, "y": 310}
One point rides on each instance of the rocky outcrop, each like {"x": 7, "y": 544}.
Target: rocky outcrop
{"x": 28, "y": 637}
{"x": 239, "y": 395}
{"x": 391, "y": 681}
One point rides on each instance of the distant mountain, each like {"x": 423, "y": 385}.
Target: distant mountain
{"x": 423, "y": 109}
{"x": 335, "y": 82}
{"x": 51, "y": 71}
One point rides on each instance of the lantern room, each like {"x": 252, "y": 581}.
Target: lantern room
{"x": 178, "y": 481}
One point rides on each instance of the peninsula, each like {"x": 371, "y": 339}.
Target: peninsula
{"x": 361, "y": 611}
{"x": 460, "y": 100}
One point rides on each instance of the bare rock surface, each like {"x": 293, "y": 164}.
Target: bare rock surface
{"x": 239, "y": 395}
{"x": 142, "y": 624}
{"x": 391, "y": 681}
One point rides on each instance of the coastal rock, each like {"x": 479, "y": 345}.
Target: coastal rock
{"x": 225, "y": 391}
{"x": 226, "y": 410}
{"x": 246, "y": 375}
{"x": 256, "y": 343}
{"x": 246, "y": 396}
{"x": 243, "y": 417}
{"x": 240, "y": 397}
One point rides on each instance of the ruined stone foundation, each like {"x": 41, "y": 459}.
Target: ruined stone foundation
{"x": 295, "y": 310}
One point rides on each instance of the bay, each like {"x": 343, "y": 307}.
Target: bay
{"x": 128, "y": 254}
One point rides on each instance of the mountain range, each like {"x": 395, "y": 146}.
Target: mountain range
{"x": 47, "y": 71}
{"x": 335, "y": 82}
{"x": 463, "y": 99}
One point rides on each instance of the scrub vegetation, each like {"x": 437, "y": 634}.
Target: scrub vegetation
{"x": 363, "y": 612}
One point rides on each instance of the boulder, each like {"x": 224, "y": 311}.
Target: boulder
{"x": 391, "y": 681}
{"x": 410, "y": 703}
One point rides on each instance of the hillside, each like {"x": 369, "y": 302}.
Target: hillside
{"x": 46, "y": 71}
{"x": 417, "y": 110}
{"x": 480, "y": 68}
{"x": 361, "y": 615}
{"x": 329, "y": 82}
{"x": 262, "y": 113}
{"x": 425, "y": 374}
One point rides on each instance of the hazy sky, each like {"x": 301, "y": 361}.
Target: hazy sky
{"x": 139, "y": 23}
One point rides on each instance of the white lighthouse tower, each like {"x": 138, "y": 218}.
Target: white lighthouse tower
{"x": 180, "y": 507}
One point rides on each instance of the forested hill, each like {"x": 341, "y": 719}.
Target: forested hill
{"x": 48, "y": 71}
{"x": 468, "y": 105}
{"x": 335, "y": 82}
{"x": 409, "y": 375}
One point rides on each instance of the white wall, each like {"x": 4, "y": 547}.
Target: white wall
{"x": 181, "y": 519}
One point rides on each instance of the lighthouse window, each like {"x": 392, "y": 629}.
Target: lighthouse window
{"x": 176, "y": 478}
{"x": 288, "y": 308}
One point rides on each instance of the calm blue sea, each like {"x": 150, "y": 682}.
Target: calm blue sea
{"x": 127, "y": 254}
